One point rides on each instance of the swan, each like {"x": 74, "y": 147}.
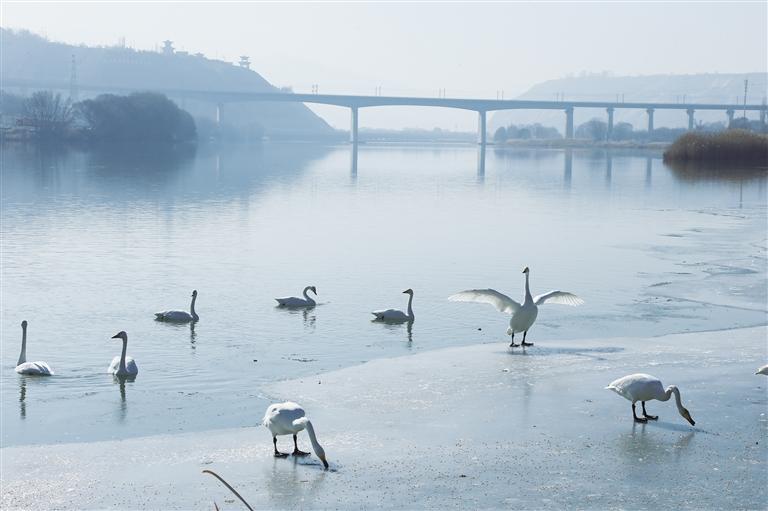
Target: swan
{"x": 523, "y": 316}
{"x": 644, "y": 387}
{"x": 288, "y": 419}
{"x": 293, "y": 301}
{"x": 397, "y": 315}
{"x": 30, "y": 368}
{"x": 122, "y": 365}
{"x": 763, "y": 370}
{"x": 180, "y": 316}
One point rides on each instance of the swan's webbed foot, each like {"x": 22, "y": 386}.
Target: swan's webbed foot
{"x": 279, "y": 454}
{"x": 649, "y": 417}
{"x": 514, "y": 345}
{"x": 638, "y": 419}
{"x": 526, "y": 343}
{"x": 297, "y": 452}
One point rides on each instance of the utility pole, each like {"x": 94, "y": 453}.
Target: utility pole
{"x": 73, "y": 92}
{"x": 746, "y": 83}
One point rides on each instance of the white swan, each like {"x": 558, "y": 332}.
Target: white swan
{"x": 30, "y": 368}
{"x": 523, "y": 316}
{"x": 293, "y": 301}
{"x": 180, "y": 316}
{"x": 644, "y": 387}
{"x": 288, "y": 419}
{"x": 763, "y": 370}
{"x": 397, "y": 315}
{"x": 122, "y": 365}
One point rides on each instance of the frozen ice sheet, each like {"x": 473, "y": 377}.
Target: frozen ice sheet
{"x": 470, "y": 427}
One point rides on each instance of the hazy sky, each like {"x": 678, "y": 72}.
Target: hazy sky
{"x": 469, "y": 49}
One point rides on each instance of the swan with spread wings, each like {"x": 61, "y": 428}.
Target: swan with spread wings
{"x": 523, "y": 315}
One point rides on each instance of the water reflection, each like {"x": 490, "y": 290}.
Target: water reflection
{"x": 121, "y": 381}
{"x": 643, "y": 444}
{"x": 23, "y": 397}
{"x": 293, "y": 483}
{"x": 608, "y": 169}
{"x": 481, "y": 163}
{"x": 192, "y": 335}
{"x": 568, "y": 169}
{"x": 648, "y": 171}
{"x": 353, "y": 163}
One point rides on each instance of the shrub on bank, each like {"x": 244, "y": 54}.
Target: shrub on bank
{"x": 731, "y": 146}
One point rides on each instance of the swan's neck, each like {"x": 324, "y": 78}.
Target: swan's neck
{"x": 672, "y": 390}
{"x": 23, "y": 354}
{"x": 312, "y": 438}
{"x": 306, "y": 295}
{"x": 192, "y": 308}
{"x": 528, "y": 297}
{"x": 410, "y": 306}
{"x": 122, "y": 356}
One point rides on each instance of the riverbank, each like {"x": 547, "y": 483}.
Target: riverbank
{"x": 471, "y": 427}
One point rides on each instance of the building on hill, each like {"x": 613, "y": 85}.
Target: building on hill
{"x": 31, "y": 58}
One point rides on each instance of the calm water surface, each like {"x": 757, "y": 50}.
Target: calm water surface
{"x": 94, "y": 244}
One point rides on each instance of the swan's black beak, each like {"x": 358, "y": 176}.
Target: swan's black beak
{"x": 116, "y": 336}
{"x": 325, "y": 463}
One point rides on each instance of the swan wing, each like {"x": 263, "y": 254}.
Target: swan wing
{"x": 130, "y": 365}
{"x": 499, "y": 300}
{"x": 173, "y": 316}
{"x": 34, "y": 369}
{"x": 561, "y": 297}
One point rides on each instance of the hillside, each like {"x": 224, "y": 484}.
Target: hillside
{"x": 704, "y": 88}
{"x": 26, "y": 56}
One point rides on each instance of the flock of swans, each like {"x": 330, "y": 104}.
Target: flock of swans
{"x": 289, "y": 418}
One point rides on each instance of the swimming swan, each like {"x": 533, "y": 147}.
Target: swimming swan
{"x": 122, "y": 365}
{"x": 644, "y": 387}
{"x": 30, "y": 368}
{"x": 523, "y": 316}
{"x": 293, "y": 301}
{"x": 288, "y": 419}
{"x": 180, "y": 316}
{"x": 397, "y": 315}
{"x": 763, "y": 370}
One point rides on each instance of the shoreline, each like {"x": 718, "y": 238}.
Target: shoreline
{"x": 411, "y": 430}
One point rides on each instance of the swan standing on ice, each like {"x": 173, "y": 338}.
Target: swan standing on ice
{"x": 180, "y": 316}
{"x": 644, "y": 387}
{"x": 523, "y": 316}
{"x": 763, "y": 370}
{"x": 293, "y": 301}
{"x": 123, "y": 365}
{"x": 30, "y": 368}
{"x": 395, "y": 315}
{"x": 288, "y": 419}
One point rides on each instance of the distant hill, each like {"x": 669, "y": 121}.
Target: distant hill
{"x": 703, "y": 88}
{"x": 26, "y": 56}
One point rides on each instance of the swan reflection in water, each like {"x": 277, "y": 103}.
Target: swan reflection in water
{"x": 23, "y": 397}
{"x": 120, "y": 381}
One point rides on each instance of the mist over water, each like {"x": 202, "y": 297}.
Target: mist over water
{"x": 94, "y": 244}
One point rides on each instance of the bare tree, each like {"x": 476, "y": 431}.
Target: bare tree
{"x": 48, "y": 113}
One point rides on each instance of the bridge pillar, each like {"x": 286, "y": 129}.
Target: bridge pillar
{"x": 729, "y": 113}
{"x": 569, "y": 123}
{"x": 690, "y": 118}
{"x": 650, "y": 120}
{"x": 609, "y": 133}
{"x": 481, "y": 128}
{"x": 762, "y": 116}
{"x": 353, "y": 126}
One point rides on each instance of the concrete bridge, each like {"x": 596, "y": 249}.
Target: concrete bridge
{"x": 355, "y": 103}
